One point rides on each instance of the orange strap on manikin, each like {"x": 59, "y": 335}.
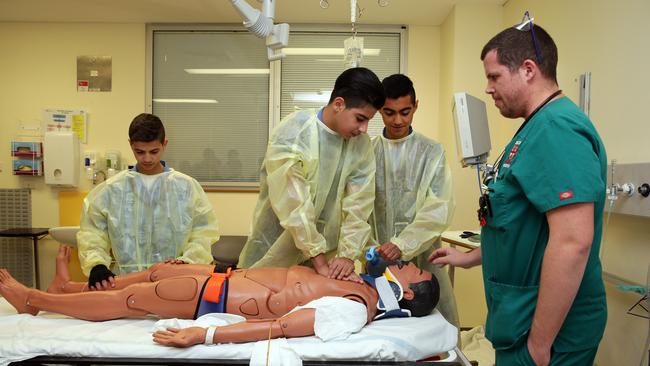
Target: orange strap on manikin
{"x": 212, "y": 291}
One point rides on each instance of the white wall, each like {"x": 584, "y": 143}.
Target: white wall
{"x": 38, "y": 70}
{"x": 464, "y": 33}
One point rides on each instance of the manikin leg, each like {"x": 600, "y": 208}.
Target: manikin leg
{"x": 62, "y": 284}
{"x": 169, "y": 298}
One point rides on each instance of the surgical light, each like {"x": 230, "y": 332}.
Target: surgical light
{"x": 261, "y": 25}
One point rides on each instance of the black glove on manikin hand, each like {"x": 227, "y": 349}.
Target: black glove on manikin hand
{"x": 99, "y": 273}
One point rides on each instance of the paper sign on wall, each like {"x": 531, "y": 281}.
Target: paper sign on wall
{"x": 64, "y": 120}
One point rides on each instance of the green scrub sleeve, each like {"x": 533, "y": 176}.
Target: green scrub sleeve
{"x": 559, "y": 165}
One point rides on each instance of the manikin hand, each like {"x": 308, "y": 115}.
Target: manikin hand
{"x": 101, "y": 278}
{"x": 390, "y": 251}
{"x": 185, "y": 337}
{"x": 452, "y": 256}
{"x": 340, "y": 268}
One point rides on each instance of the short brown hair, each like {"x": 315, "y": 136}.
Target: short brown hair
{"x": 146, "y": 127}
{"x": 514, "y": 46}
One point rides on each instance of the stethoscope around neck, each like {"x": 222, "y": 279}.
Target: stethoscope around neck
{"x": 491, "y": 172}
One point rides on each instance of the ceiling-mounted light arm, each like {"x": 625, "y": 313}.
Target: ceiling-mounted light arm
{"x": 261, "y": 25}
{"x": 268, "y": 8}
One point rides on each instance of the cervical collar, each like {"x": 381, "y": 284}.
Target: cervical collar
{"x": 390, "y": 292}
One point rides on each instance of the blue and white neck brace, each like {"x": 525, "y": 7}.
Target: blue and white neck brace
{"x": 388, "y": 288}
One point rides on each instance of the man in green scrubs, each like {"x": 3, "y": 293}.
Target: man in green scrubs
{"x": 543, "y": 213}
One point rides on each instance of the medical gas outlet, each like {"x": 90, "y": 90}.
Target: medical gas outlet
{"x": 628, "y": 188}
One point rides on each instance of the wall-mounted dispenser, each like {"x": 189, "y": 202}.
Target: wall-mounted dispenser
{"x": 112, "y": 163}
{"x": 61, "y": 158}
{"x": 90, "y": 161}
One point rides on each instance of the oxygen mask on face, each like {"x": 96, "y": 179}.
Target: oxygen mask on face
{"x": 376, "y": 265}
{"x": 388, "y": 288}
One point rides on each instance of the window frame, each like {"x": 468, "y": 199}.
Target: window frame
{"x": 275, "y": 72}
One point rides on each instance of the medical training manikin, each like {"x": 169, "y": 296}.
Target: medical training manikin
{"x": 270, "y": 298}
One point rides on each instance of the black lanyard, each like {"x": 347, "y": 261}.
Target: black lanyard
{"x": 545, "y": 102}
{"x": 485, "y": 208}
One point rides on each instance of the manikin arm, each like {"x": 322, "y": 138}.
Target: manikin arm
{"x": 297, "y": 324}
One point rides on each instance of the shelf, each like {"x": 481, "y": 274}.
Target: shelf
{"x": 30, "y": 174}
{"x": 20, "y": 154}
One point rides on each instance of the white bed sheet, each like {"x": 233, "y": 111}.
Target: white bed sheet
{"x": 24, "y": 336}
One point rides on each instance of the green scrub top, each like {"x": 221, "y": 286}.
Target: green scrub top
{"x": 557, "y": 159}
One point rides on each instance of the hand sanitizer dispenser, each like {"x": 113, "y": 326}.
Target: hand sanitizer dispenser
{"x": 112, "y": 162}
{"x": 61, "y": 158}
{"x": 90, "y": 164}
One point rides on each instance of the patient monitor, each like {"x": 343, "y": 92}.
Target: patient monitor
{"x": 472, "y": 132}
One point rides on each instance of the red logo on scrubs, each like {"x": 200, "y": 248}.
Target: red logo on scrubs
{"x": 566, "y": 195}
{"x": 511, "y": 155}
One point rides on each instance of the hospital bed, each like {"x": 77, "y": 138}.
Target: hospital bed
{"x": 56, "y": 339}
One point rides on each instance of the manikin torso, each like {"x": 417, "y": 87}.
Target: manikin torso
{"x": 272, "y": 292}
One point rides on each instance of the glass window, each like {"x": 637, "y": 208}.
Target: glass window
{"x": 211, "y": 89}
{"x": 315, "y": 59}
{"x": 215, "y": 90}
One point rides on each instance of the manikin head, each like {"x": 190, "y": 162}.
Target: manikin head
{"x": 356, "y": 97}
{"x": 148, "y": 143}
{"x": 421, "y": 290}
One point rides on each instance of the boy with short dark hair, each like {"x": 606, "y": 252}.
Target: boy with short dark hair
{"x": 144, "y": 215}
{"x": 317, "y": 183}
{"x": 414, "y": 202}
